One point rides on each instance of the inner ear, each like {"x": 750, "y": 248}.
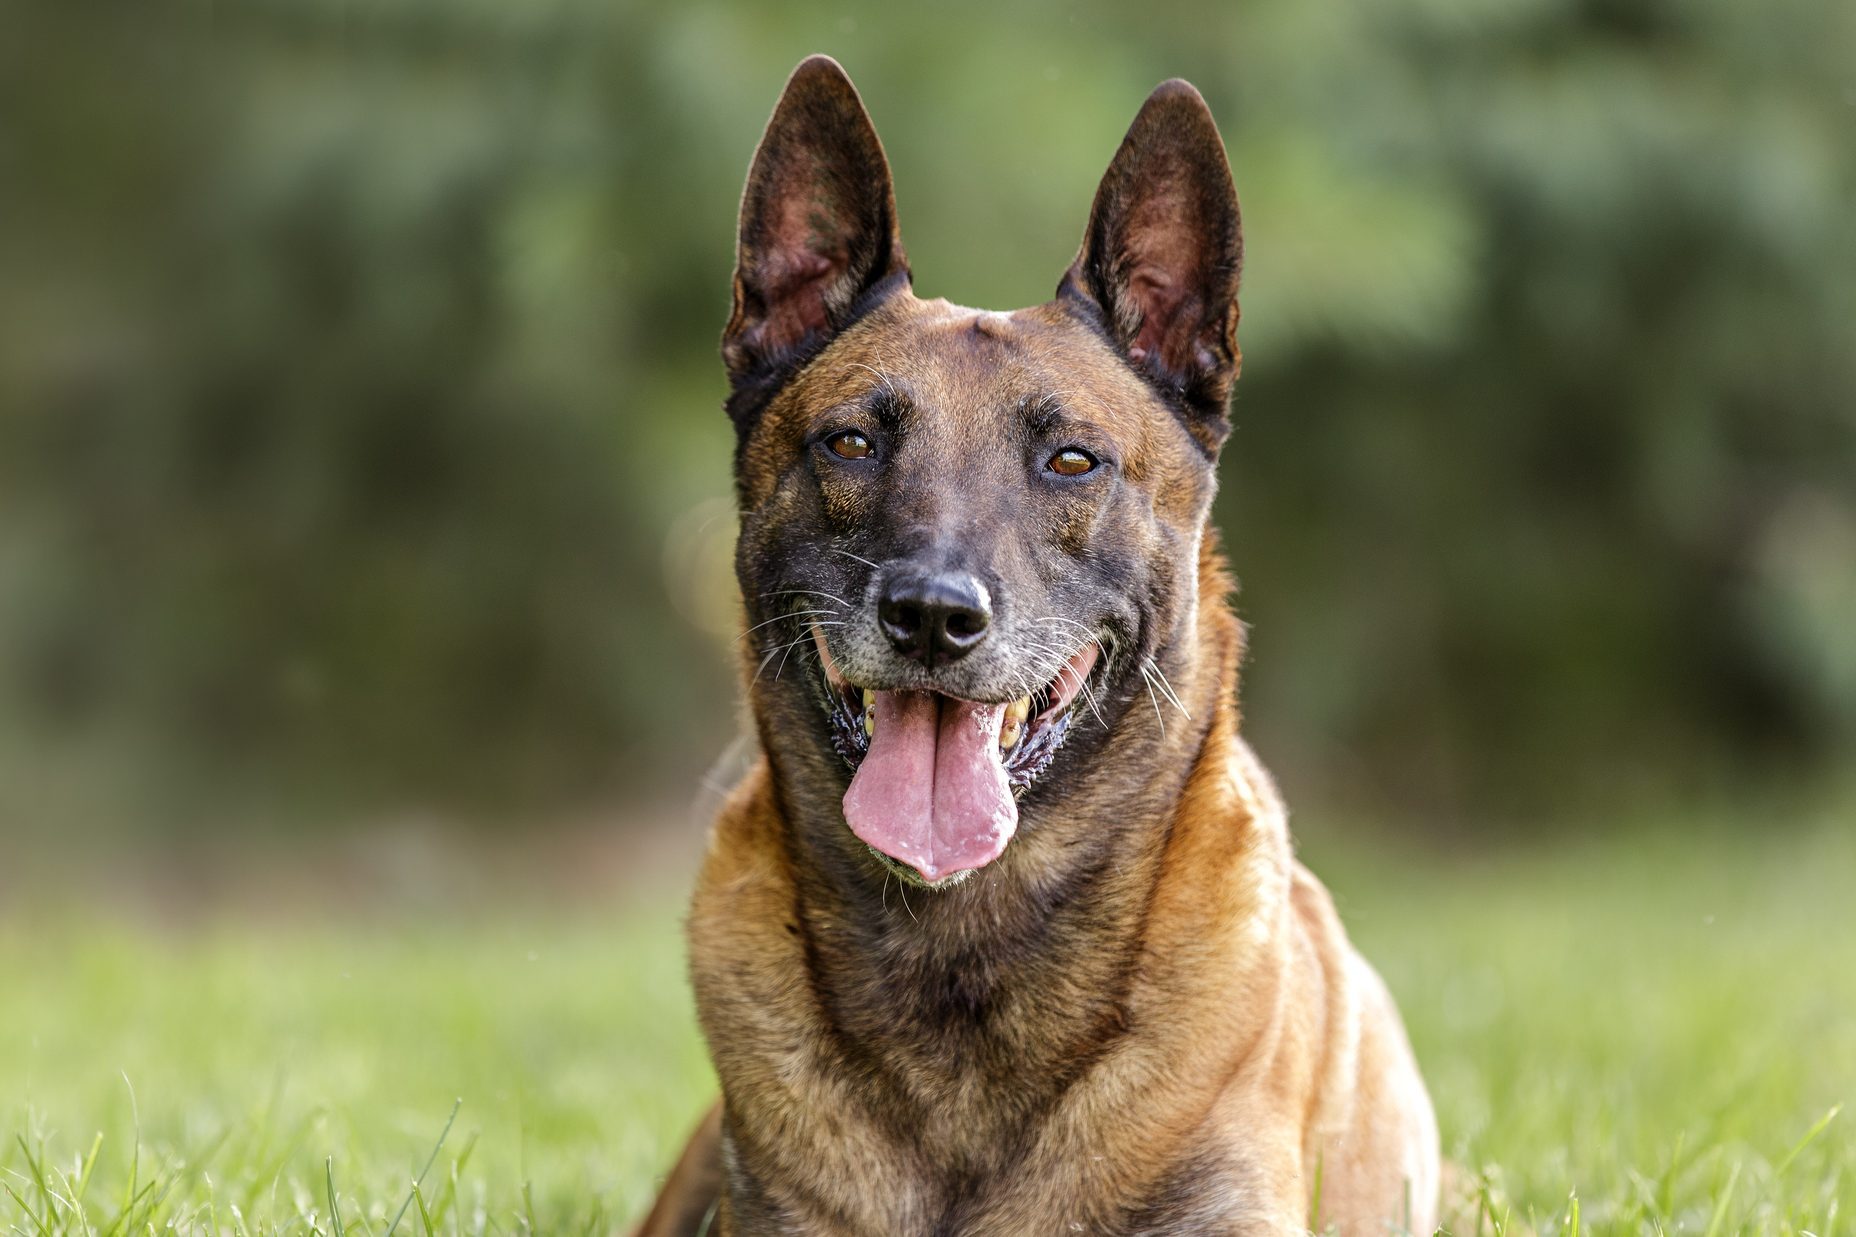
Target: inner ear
{"x": 818, "y": 225}
{"x": 1163, "y": 253}
{"x": 1162, "y": 280}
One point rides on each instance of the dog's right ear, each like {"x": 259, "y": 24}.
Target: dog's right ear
{"x": 818, "y": 231}
{"x": 1162, "y": 255}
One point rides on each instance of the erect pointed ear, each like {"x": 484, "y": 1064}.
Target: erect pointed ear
{"x": 1162, "y": 257}
{"x": 818, "y": 226}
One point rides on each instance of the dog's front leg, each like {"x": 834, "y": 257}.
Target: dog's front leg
{"x": 692, "y": 1193}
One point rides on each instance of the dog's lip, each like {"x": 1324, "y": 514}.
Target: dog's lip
{"x": 1071, "y": 678}
{"x": 833, "y": 675}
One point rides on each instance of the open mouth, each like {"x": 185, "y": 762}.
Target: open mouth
{"x": 936, "y": 778}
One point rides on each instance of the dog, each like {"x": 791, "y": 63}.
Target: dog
{"x": 1003, "y": 932}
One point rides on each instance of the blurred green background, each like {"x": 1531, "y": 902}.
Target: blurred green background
{"x": 360, "y": 441}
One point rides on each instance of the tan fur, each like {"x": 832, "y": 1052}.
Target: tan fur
{"x": 1144, "y": 1016}
{"x": 1254, "y": 1030}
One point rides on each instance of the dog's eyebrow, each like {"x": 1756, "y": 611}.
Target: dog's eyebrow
{"x": 886, "y": 383}
{"x": 1043, "y": 413}
{"x": 889, "y": 403}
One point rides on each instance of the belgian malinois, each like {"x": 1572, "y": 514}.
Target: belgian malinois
{"x": 1003, "y": 933}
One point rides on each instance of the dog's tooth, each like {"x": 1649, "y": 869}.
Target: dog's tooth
{"x": 869, "y": 723}
{"x": 1014, "y": 723}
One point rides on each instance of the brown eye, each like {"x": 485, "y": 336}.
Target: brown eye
{"x": 1071, "y": 462}
{"x": 849, "y": 445}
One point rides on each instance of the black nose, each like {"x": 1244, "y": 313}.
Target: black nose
{"x": 934, "y": 616}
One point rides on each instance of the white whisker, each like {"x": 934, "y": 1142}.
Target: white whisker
{"x": 888, "y": 385}
{"x": 866, "y": 562}
{"x": 1155, "y": 699}
{"x": 811, "y": 650}
{"x": 1094, "y": 705}
{"x": 1058, "y": 618}
{"x": 777, "y": 618}
{"x": 815, "y": 592}
{"x": 775, "y": 651}
{"x": 1060, "y": 666}
{"x": 1166, "y": 687}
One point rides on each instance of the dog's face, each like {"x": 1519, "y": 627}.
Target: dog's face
{"x": 969, "y": 539}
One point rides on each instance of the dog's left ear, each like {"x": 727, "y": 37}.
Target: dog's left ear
{"x": 818, "y": 230}
{"x": 1162, "y": 256}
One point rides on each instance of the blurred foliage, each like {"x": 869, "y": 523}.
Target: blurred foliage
{"x": 359, "y": 428}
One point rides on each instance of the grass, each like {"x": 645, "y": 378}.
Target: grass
{"x": 1623, "y": 1035}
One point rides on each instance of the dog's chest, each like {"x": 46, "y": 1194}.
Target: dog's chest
{"x": 1204, "y": 1191}
{"x": 917, "y": 1144}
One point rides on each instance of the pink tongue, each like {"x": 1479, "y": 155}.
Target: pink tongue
{"x": 931, "y": 792}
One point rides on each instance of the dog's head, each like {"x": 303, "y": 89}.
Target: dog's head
{"x": 970, "y": 540}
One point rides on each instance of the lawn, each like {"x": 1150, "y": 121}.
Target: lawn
{"x": 1652, "y": 1021}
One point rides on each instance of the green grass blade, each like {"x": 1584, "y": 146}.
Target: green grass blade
{"x": 129, "y": 1193}
{"x": 1721, "y": 1204}
{"x": 38, "y": 1179}
{"x": 26, "y": 1207}
{"x": 429, "y": 1161}
{"x": 1809, "y": 1138}
{"x": 89, "y": 1165}
{"x": 1666, "y": 1191}
{"x": 335, "y": 1209}
{"x": 426, "y": 1226}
